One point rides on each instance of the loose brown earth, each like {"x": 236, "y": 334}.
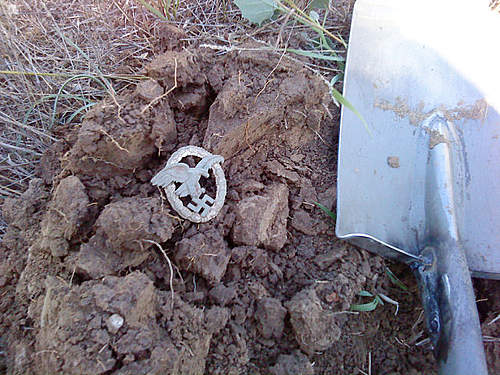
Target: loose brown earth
{"x": 265, "y": 288}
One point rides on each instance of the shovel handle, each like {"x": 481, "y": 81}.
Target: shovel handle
{"x": 450, "y": 307}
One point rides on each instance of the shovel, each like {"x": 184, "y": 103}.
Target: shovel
{"x": 419, "y": 158}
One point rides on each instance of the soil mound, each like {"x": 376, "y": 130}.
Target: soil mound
{"x": 262, "y": 288}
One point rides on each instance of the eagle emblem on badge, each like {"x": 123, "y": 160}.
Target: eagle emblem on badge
{"x": 179, "y": 180}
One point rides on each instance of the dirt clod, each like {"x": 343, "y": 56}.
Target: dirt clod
{"x": 67, "y": 212}
{"x": 326, "y": 259}
{"x": 106, "y": 147}
{"x": 262, "y": 288}
{"x": 306, "y": 224}
{"x": 393, "y": 161}
{"x": 222, "y": 295}
{"x": 315, "y": 328}
{"x": 149, "y": 90}
{"x": 121, "y": 231}
{"x": 262, "y": 219}
{"x": 73, "y": 336}
{"x": 296, "y": 363}
{"x": 270, "y": 316}
{"x": 205, "y": 254}
{"x": 278, "y": 169}
{"x": 240, "y": 116}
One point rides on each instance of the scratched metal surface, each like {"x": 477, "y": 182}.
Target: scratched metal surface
{"x": 405, "y": 62}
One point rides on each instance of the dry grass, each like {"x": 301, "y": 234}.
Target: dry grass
{"x": 45, "y": 43}
{"x": 60, "y": 57}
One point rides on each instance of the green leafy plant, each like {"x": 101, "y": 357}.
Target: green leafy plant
{"x": 379, "y": 298}
{"x": 319, "y": 4}
{"x": 257, "y": 11}
{"x": 101, "y": 81}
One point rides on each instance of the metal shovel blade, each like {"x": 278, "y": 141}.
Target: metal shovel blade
{"x": 408, "y": 61}
{"x": 419, "y": 181}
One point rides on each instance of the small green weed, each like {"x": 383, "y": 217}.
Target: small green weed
{"x": 377, "y": 299}
{"x": 103, "y": 82}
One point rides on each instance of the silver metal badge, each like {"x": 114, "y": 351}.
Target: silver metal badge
{"x": 202, "y": 206}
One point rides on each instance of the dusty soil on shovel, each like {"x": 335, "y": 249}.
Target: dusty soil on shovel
{"x": 264, "y": 288}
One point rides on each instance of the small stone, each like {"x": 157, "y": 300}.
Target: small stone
{"x": 114, "y": 323}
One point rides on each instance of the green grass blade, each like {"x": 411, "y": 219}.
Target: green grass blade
{"x": 326, "y": 210}
{"x": 388, "y": 299}
{"x": 78, "y": 111}
{"x": 50, "y": 97}
{"x": 153, "y": 10}
{"x": 395, "y": 280}
{"x": 370, "y": 306}
{"x": 315, "y": 55}
{"x": 60, "y": 92}
{"x": 74, "y": 45}
{"x": 336, "y": 78}
{"x": 342, "y": 100}
{"x": 365, "y": 293}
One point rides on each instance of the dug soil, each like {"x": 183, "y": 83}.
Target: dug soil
{"x": 99, "y": 275}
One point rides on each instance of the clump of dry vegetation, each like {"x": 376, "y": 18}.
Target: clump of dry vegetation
{"x": 53, "y": 55}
